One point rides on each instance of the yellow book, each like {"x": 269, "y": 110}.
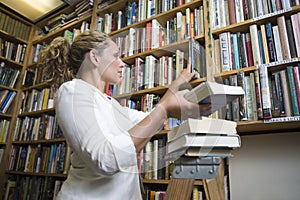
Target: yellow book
{"x": 195, "y": 193}
{"x": 45, "y": 99}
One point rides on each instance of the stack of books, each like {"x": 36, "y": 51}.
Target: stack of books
{"x": 202, "y": 137}
{"x": 206, "y": 136}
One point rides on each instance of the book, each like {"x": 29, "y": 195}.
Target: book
{"x": 205, "y": 125}
{"x": 216, "y": 94}
{"x": 195, "y": 55}
{"x": 199, "y": 152}
{"x": 209, "y": 141}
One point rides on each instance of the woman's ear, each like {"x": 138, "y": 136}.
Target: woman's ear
{"x": 93, "y": 57}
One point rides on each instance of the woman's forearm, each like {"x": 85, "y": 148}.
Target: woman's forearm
{"x": 145, "y": 129}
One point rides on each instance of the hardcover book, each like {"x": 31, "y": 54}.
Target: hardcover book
{"x": 216, "y": 94}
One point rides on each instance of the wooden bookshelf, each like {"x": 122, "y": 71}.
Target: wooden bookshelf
{"x": 243, "y": 127}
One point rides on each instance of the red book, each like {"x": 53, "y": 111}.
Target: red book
{"x": 231, "y": 9}
{"x": 148, "y": 35}
{"x": 249, "y": 50}
{"x": 278, "y": 5}
{"x": 297, "y": 82}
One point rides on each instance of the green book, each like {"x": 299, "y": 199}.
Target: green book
{"x": 292, "y": 86}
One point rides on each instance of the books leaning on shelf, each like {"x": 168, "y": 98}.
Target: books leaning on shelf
{"x": 218, "y": 95}
{"x": 202, "y": 137}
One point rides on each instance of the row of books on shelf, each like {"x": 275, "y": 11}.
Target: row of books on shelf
{"x": 197, "y": 194}
{"x": 32, "y": 187}
{"x": 39, "y": 158}
{"x": 35, "y": 100}
{"x": 135, "y": 11}
{"x": 4, "y": 126}
{"x": 227, "y": 12}
{"x": 185, "y": 24}
{"x": 81, "y": 9}
{"x": 6, "y": 98}
{"x": 14, "y": 27}
{"x": 152, "y": 71}
{"x": 263, "y": 44}
{"x": 8, "y": 75}
{"x": 153, "y": 35}
{"x": 267, "y": 96}
{"x": 12, "y": 50}
{"x": 44, "y": 127}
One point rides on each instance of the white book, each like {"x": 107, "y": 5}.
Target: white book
{"x": 201, "y": 20}
{"x": 155, "y": 159}
{"x": 156, "y": 26}
{"x": 255, "y": 45}
{"x": 132, "y": 41}
{"x": 205, "y": 125}
{"x": 218, "y": 95}
{"x": 277, "y": 43}
{"x": 225, "y": 51}
{"x": 212, "y": 141}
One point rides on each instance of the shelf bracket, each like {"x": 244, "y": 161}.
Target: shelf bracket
{"x": 196, "y": 167}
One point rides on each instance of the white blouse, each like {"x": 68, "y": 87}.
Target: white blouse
{"x": 104, "y": 160}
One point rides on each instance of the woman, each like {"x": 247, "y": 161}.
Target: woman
{"x": 104, "y": 136}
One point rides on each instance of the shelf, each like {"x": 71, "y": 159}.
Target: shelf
{"x": 14, "y": 64}
{"x": 35, "y": 142}
{"x": 50, "y": 111}
{"x": 39, "y": 86}
{"x": 3, "y": 87}
{"x": 4, "y": 115}
{"x": 58, "y": 32}
{"x": 36, "y": 174}
{"x": 159, "y": 90}
{"x": 8, "y": 36}
{"x": 146, "y": 181}
{"x": 260, "y": 127}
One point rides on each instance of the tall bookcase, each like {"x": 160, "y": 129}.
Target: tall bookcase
{"x": 29, "y": 87}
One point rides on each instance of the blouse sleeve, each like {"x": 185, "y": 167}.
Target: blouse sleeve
{"x": 97, "y": 130}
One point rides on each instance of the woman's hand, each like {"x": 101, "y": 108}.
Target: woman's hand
{"x": 174, "y": 102}
{"x": 183, "y": 79}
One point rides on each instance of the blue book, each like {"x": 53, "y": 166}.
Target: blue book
{"x": 236, "y": 52}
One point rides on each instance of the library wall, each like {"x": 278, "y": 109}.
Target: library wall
{"x": 266, "y": 167}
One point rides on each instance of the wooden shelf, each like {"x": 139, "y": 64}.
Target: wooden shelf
{"x": 50, "y": 111}
{"x": 35, "y": 142}
{"x": 160, "y": 90}
{"x": 51, "y": 35}
{"x": 147, "y": 181}
{"x": 37, "y": 174}
{"x": 260, "y": 127}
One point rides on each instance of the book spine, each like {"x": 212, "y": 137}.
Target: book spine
{"x": 292, "y": 86}
{"x": 270, "y": 40}
{"x": 265, "y": 92}
{"x": 291, "y": 39}
{"x": 284, "y": 41}
{"x": 249, "y": 104}
{"x": 253, "y": 95}
{"x": 255, "y": 44}
{"x": 297, "y": 82}
{"x": 296, "y": 26}
{"x": 258, "y": 95}
{"x": 249, "y": 50}
{"x": 278, "y": 49}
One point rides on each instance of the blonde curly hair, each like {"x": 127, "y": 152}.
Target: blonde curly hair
{"x": 61, "y": 61}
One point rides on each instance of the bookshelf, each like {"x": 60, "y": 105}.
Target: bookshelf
{"x": 13, "y": 58}
{"x": 207, "y": 39}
